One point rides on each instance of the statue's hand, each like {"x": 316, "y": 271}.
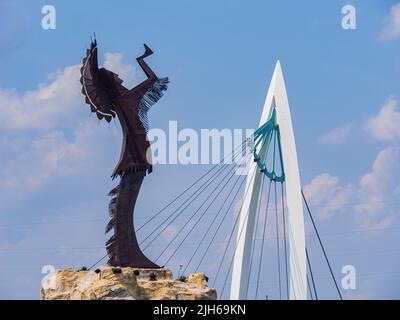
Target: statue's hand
{"x": 147, "y": 51}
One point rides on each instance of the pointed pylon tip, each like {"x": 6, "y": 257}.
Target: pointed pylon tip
{"x": 278, "y": 69}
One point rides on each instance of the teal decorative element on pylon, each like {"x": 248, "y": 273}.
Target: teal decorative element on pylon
{"x": 267, "y": 149}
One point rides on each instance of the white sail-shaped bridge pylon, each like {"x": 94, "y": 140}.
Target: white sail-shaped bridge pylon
{"x": 276, "y": 100}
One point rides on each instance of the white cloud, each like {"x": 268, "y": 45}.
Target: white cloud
{"x": 47, "y": 139}
{"x": 385, "y": 125}
{"x": 325, "y": 192}
{"x": 46, "y": 132}
{"x": 113, "y": 62}
{"x": 367, "y": 199}
{"x": 392, "y": 27}
{"x": 54, "y": 155}
{"x": 44, "y": 107}
{"x": 377, "y": 186}
{"x": 54, "y": 104}
{"x": 337, "y": 135}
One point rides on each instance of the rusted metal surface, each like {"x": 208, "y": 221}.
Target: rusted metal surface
{"x": 108, "y": 98}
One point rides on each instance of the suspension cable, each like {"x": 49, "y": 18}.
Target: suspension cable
{"x": 161, "y": 227}
{"x": 192, "y": 185}
{"x": 198, "y": 221}
{"x": 219, "y": 225}
{"x": 234, "y": 226}
{"x": 191, "y": 199}
{"x": 311, "y": 274}
{"x": 211, "y": 224}
{"x": 285, "y": 242}
{"x": 263, "y": 238}
{"x": 309, "y": 287}
{"x": 277, "y": 243}
{"x": 234, "y": 154}
{"x": 322, "y": 246}
{"x": 255, "y": 234}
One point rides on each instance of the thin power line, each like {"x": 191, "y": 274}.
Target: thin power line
{"x": 349, "y": 253}
{"x": 360, "y": 275}
{"x": 145, "y": 218}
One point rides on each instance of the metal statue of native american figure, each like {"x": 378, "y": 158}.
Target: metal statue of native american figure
{"x": 107, "y": 97}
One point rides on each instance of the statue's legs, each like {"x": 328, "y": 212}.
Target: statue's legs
{"x": 123, "y": 248}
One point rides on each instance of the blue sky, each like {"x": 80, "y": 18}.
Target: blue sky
{"x": 343, "y": 91}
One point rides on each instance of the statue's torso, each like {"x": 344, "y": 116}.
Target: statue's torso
{"x": 135, "y": 143}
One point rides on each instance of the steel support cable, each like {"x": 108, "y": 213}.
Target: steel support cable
{"x": 267, "y": 138}
{"x": 191, "y": 186}
{"x": 191, "y": 199}
{"x": 255, "y": 234}
{"x": 98, "y": 261}
{"x": 96, "y": 220}
{"x": 211, "y": 224}
{"x": 178, "y": 211}
{"x": 309, "y": 287}
{"x": 176, "y": 198}
{"x": 219, "y": 226}
{"x": 311, "y": 274}
{"x": 296, "y": 279}
{"x": 233, "y": 153}
{"x": 199, "y": 219}
{"x": 285, "y": 242}
{"x": 277, "y": 243}
{"x": 234, "y": 252}
{"x": 322, "y": 246}
{"x": 234, "y": 227}
{"x": 197, "y": 210}
{"x": 262, "y": 243}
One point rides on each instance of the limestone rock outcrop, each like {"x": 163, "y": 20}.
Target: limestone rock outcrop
{"x": 107, "y": 283}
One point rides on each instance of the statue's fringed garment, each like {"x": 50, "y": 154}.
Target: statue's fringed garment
{"x": 131, "y": 180}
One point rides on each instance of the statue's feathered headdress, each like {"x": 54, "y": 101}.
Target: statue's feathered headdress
{"x": 97, "y": 85}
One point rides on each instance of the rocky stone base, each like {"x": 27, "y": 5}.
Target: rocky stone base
{"x": 107, "y": 283}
